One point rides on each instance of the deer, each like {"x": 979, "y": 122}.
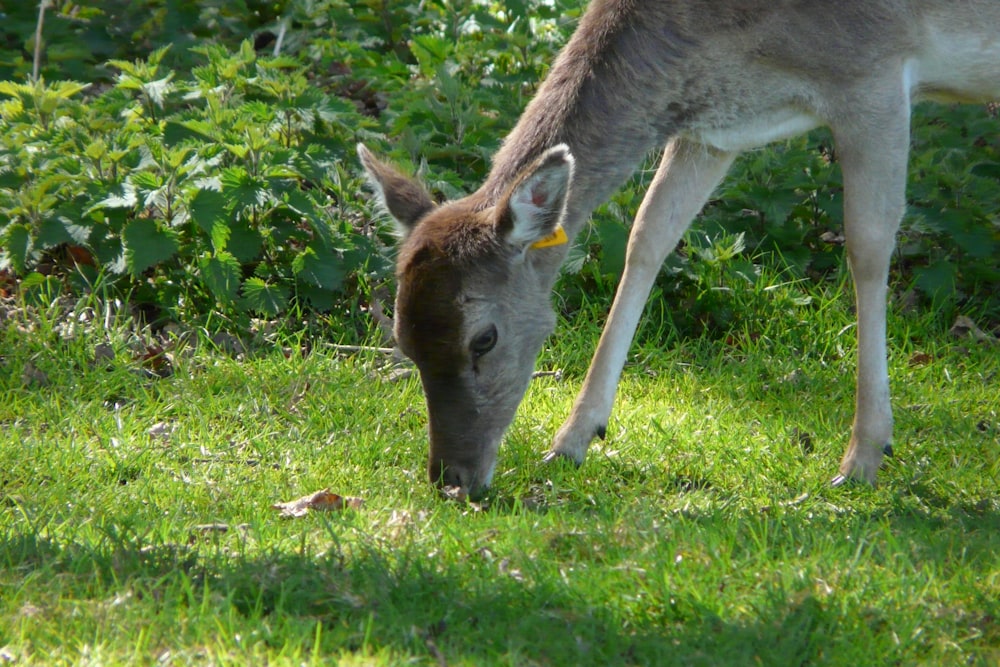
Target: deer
{"x": 703, "y": 80}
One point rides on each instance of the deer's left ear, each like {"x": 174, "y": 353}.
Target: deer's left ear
{"x": 404, "y": 198}
{"x": 533, "y": 208}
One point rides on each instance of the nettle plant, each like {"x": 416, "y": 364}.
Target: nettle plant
{"x": 781, "y": 208}
{"x": 230, "y": 186}
{"x": 226, "y": 191}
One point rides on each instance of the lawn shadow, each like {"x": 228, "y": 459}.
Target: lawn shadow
{"x": 376, "y": 603}
{"x": 370, "y": 597}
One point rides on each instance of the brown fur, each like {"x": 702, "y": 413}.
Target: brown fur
{"x": 429, "y": 272}
{"x": 707, "y": 79}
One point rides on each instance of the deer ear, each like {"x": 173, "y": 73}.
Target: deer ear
{"x": 534, "y": 206}
{"x": 403, "y": 197}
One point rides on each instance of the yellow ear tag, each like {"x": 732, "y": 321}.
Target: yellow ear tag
{"x": 557, "y": 237}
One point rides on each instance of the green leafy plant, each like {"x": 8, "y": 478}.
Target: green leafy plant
{"x": 219, "y": 173}
{"x": 222, "y": 191}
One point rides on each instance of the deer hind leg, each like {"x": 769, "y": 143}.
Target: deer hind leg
{"x": 683, "y": 182}
{"x": 874, "y": 159}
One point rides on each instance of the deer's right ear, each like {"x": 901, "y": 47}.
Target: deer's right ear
{"x": 533, "y": 208}
{"x": 404, "y": 198}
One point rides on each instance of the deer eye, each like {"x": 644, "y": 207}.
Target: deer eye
{"x": 484, "y": 342}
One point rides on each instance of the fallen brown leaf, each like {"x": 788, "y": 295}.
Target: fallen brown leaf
{"x": 321, "y": 501}
{"x": 32, "y": 375}
{"x": 154, "y": 361}
{"x": 210, "y": 528}
{"x": 104, "y": 355}
{"x": 803, "y": 439}
{"x": 161, "y": 430}
{"x": 965, "y": 327}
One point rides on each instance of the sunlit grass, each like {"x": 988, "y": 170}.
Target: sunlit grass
{"x": 702, "y": 531}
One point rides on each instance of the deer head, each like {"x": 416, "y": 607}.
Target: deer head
{"x": 473, "y": 306}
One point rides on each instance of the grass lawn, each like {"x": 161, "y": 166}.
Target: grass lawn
{"x": 136, "y": 524}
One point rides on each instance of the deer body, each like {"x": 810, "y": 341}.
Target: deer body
{"x": 707, "y": 79}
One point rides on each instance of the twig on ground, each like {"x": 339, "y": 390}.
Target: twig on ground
{"x": 354, "y": 349}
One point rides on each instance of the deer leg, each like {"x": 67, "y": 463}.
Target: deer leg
{"x": 874, "y": 162}
{"x": 687, "y": 174}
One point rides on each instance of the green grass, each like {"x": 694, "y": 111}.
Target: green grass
{"x": 702, "y": 532}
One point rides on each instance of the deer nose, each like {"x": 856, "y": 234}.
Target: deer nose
{"x": 454, "y": 476}
{"x": 457, "y": 482}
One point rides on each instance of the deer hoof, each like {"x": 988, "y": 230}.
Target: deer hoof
{"x": 554, "y": 456}
{"x": 844, "y": 480}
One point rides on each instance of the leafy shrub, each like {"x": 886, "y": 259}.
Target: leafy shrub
{"x": 221, "y": 191}
{"x": 783, "y": 206}
{"x": 80, "y": 37}
{"x": 210, "y": 178}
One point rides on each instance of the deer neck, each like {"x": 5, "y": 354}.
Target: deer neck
{"x": 607, "y": 100}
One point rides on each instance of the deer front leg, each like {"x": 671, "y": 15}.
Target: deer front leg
{"x": 687, "y": 174}
{"x": 874, "y": 166}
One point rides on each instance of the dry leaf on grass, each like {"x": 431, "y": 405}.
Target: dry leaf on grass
{"x": 104, "y": 355}
{"x": 161, "y": 430}
{"x": 321, "y": 501}
{"x": 205, "y": 528}
{"x": 31, "y": 375}
{"x": 964, "y": 327}
{"x": 803, "y": 439}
